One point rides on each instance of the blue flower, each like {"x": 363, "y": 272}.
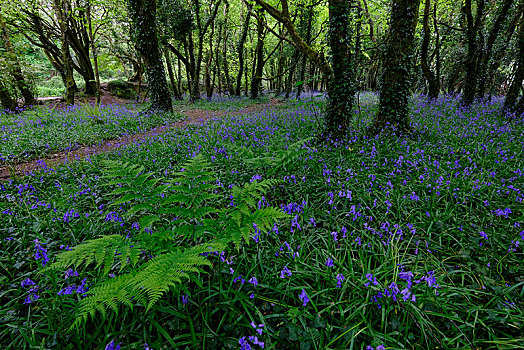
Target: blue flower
{"x": 303, "y": 297}
{"x": 111, "y": 346}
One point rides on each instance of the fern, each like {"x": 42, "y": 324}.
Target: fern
{"x": 150, "y": 264}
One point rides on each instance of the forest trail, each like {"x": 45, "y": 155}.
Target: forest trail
{"x": 193, "y": 117}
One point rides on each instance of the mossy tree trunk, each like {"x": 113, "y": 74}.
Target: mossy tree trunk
{"x": 14, "y": 66}
{"x": 63, "y": 11}
{"x": 6, "y": 100}
{"x": 145, "y": 34}
{"x": 397, "y": 67}
{"x": 341, "y": 86}
{"x": 473, "y": 55}
{"x": 433, "y": 83}
{"x": 515, "y": 89}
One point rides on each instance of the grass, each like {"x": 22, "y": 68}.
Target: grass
{"x": 407, "y": 243}
{"x": 41, "y": 130}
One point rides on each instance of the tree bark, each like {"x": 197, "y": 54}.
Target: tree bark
{"x": 397, "y": 63}
{"x": 510, "y": 103}
{"x": 259, "y": 57}
{"x": 14, "y": 66}
{"x": 5, "y": 98}
{"x": 341, "y": 87}
{"x": 62, "y": 10}
{"x": 143, "y": 17}
{"x": 240, "y": 50}
{"x": 473, "y": 55}
{"x": 433, "y": 84}
{"x": 95, "y": 53}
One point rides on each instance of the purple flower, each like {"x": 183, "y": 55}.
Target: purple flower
{"x": 253, "y": 280}
{"x": 244, "y": 344}
{"x": 111, "y": 346}
{"x": 185, "y": 299}
{"x": 329, "y": 262}
{"x": 285, "y": 272}
{"x": 27, "y": 282}
{"x": 70, "y": 273}
{"x": 371, "y": 279}
{"x": 41, "y": 253}
{"x": 303, "y": 297}
{"x": 340, "y": 279}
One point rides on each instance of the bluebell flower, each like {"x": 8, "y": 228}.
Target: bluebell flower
{"x": 340, "y": 279}
{"x": 303, "y": 297}
{"x": 285, "y": 272}
{"x": 111, "y": 346}
{"x": 27, "y": 282}
{"x": 253, "y": 280}
{"x": 329, "y": 262}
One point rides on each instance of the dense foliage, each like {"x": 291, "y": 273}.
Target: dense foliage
{"x": 414, "y": 242}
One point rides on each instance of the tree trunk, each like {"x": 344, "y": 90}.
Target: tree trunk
{"x": 302, "y": 71}
{"x": 397, "y": 63}
{"x": 5, "y": 99}
{"x": 240, "y": 50}
{"x": 171, "y": 75}
{"x": 341, "y": 87}
{"x": 510, "y": 103}
{"x": 143, "y": 15}
{"x": 488, "y": 48}
{"x": 473, "y": 54}
{"x": 433, "y": 84}
{"x": 14, "y": 65}
{"x": 95, "y": 53}
{"x": 62, "y": 10}
{"x": 259, "y": 56}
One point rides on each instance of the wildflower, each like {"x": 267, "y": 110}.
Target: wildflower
{"x": 253, "y": 280}
{"x": 340, "y": 279}
{"x": 41, "y": 253}
{"x": 70, "y": 273}
{"x": 303, "y": 297}
{"x": 285, "y": 272}
{"x": 27, "y": 282}
{"x": 372, "y": 279}
{"x": 329, "y": 262}
{"x": 111, "y": 345}
{"x": 185, "y": 299}
{"x": 244, "y": 344}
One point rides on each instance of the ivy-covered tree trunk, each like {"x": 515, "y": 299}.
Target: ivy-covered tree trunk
{"x": 473, "y": 55}
{"x": 5, "y": 98}
{"x": 433, "y": 83}
{"x": 341, "y": 87}
{"x": 397, "y": 67}
{"x": 145, "y": 34}
{"x": 62, "y": 10}
{"x": 14, "y": 65}
{"x": 515, "y": 88}
{"x": 256, "y": 81}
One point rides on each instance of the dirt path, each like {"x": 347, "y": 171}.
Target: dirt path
{"x": 194, "y": 116}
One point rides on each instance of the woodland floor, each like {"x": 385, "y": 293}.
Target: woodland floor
{"x": 193, "y": 116}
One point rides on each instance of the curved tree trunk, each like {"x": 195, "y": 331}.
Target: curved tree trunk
{"x": 62, "y": 10}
